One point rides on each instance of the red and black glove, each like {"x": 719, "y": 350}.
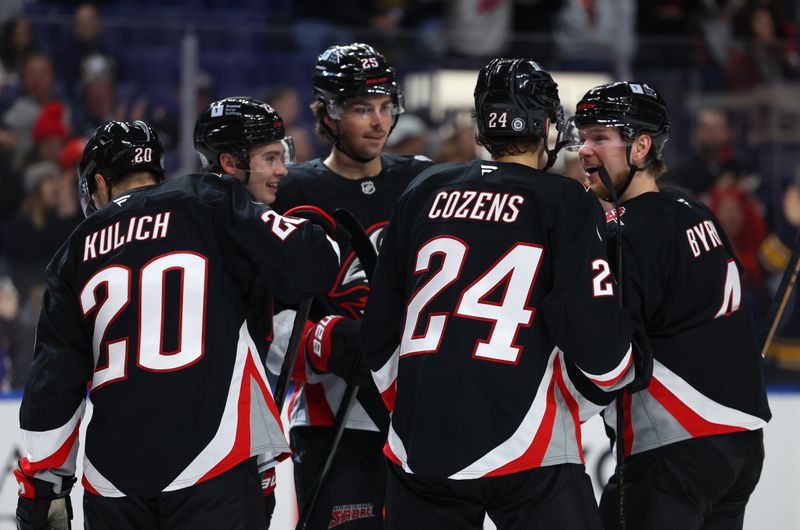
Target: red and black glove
{"x": 42, "y": 505}
{"x": 268, "y": 483}
{"x": 332, "y": 346}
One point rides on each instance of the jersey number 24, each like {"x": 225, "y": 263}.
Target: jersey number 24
{"x": 517, "y": 269}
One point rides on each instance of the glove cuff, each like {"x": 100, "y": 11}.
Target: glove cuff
{"x": 34, "y": 488}
{"x": 268, "y": 482}
{"x": 319, "y": 344}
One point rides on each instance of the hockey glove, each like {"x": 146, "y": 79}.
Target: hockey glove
{"x": 268, "y": 483}
{"x": 319, "y": 217}
{"x": 642, "y": 362}
{"x": 333, "y": 347}
{"x": 40, "y": 506}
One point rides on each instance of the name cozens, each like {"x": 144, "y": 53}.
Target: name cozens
{"x": 476, "y": 205}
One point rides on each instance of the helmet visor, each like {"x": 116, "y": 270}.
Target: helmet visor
{"x": 594, "y": 135}
{"x": 362, "y": 107}
{"x": 87, "y": 205}
{"x": 289, "y": 156}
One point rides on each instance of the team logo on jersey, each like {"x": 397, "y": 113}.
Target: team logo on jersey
{"x": 612, "y": 215}
{"x": 350, "y": 290}
{"x": 367, "y": 187}
{"x": 345, "y": 513}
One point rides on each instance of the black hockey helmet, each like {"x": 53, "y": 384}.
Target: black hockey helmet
{"x": 346, "y": 72}
{"x": 514, "y": 98}
{"x": 114, "y": 150}
{"x": 633, "y": 107}
{"x": 235, "y": 125}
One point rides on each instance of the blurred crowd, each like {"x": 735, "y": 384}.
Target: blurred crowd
{"x": 53, "y": 95}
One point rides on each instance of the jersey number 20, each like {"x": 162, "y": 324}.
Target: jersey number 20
{"x": 193, "y": 271}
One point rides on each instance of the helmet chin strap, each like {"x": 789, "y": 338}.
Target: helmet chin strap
{"x": 608, "y": 183}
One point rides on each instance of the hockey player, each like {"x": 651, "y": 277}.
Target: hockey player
{"x": 693, "y": 439}
{"x": 492, "y": 281}
{"x": 356, "y": 102}
{"x": 146, "y": 303}
{"x": 244, "y": 137}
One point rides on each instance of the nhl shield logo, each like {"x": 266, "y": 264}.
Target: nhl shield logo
{"x": 368, "y": 187}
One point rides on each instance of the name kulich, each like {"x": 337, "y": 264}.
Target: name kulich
{"x": 144, "y": 228}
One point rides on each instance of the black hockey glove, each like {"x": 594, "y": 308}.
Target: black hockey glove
{"x": 40, "y": 506}
{"x": 642, "y": 362}
{"x": 333, "y": 347}
{"x": 319, "y": 217}
{"x": 268, "y": 483}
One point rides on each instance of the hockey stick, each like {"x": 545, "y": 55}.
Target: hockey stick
{"x": 619, "y": 400}
{"x": 292, "y": 349}
{"x": 368, "y": 257}
{"x": 782, "y": 295}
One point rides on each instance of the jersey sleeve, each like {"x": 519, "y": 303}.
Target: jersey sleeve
{"x": 581, "y": 310}
{"x": 293, "y": 258}
{"x": 383, "y": 317}
{"x": 54, "y": 397}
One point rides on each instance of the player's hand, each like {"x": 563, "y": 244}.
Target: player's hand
{"x": 39, "y": 506}
{"x": 642, "y": 363}
{"x": 268, "y": 483}
{"x": 321, "y": 218}
{"x": 333, "y": 347}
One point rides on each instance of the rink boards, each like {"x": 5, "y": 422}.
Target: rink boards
{"x": 774, "y": 505}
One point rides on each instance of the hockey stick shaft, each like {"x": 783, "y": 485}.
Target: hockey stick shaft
{"x": 289, "y": 360}
{"x": 782, "y": 295}
{"x": 368, "y": 257}
{"x": 620, "y": 398}
{"x": 348, "y": 400}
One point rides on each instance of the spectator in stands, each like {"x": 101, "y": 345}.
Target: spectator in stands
{"x": 9, "y": 332}
{"x": 596, "y": 35}
{"x": 478, "y": 29}
{"x": 41, "y": 226}
{"x": 286, "y": 102}
{"x": 764, "y": 51}
{"x": 740, "y": 217}
{"x": 16, "y": 41}
{"x": 88, "y": 42}
{"x": 11, "y": 189}
{"x": 49, "y": 133}
{"x": 38, "y": 88}
{"x": 410, "y": 136}
{"x": 457, "y": 146}
{"x": 713, "y": 152}
{"x": 665, "y": 29}
{"x": 68, "y": 161}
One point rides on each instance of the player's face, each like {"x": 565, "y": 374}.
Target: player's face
{"x": 602, "y": 146}
{"x": 267, "y": 168}
{"x": 365, "y": 124}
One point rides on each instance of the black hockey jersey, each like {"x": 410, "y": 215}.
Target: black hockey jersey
{"x": 146, "y": 305}
{"x": 682, "y": 284}
{"x": 371, "y": 201}
{"x": 491, "y": 278}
